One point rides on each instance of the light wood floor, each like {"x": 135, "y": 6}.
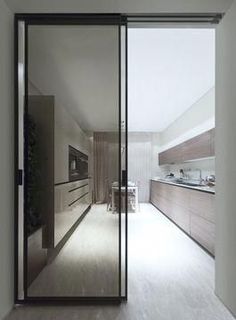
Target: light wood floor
{"x": 170, "y": 278}
{"x": 88, "y": 264}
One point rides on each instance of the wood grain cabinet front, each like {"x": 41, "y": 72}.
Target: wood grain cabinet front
{"x": 197, "y": 147}
{"x": 192, "y": 210}
{"x": 212, "y": 132}
{"x": 201, "y": 146}
{"x": 203, "y": 231}
{"x": 202, "y": 204}
{"x": 181, "y": 217}
{"x": 172, "y": 155}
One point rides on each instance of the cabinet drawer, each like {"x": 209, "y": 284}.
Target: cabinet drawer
{"x": 181, "y": 217}
{"x": 65, "y": 194}
{"x": 165, "y": 206}
{"x": 76, "y": 194}
{"x": 161, "y": 203}
{"x": 203, "y": 205}
{"x": 192, "y": 210}
{"x": 180, "y": 196}
{"x": 162, "y": 189}
{"x": 203, "y": 231}
{"x": 197, "y": 147}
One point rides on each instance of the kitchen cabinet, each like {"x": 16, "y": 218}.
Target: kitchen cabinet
{"x": 203, "y": 231}
{"x": 192, "y": 210}
{"x": 181, "y": 217}
{"x": 202, "y": 204}
{"x": 41, "y": 112}
{"x": 159, "y": 197}
{"x": 171, "y": 156}
{"x": 70, "y": 196}
{"x": 172, "y": 201}
{"x": 212, "y": 132}
{"x": 197, "y": 147}
{"x": 201, "y": 146}
{"x": 41, "y": 115}
{"x": 56, "y": 202}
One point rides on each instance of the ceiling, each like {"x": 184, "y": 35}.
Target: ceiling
{"x": 130, "y": 6}
{"x": 79, "y": 66}
{"x": 169, "y": 70}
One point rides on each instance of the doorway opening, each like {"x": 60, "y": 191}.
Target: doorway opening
{"x": 171, "y": 158}
{"x": 74, "y": 153}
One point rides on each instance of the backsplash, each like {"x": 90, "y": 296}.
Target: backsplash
{"x": 191, "y": 169}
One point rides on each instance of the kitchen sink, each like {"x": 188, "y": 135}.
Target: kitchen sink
{"x": 189, "y": 183}
{"x": 186, "y": 182}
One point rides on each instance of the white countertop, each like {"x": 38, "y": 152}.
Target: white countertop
{"x": 203, "y": 188}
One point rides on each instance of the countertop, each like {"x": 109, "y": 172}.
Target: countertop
{"x": 199, "y": 188}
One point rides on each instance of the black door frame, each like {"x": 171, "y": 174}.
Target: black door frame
{"x": 65, "y": 19}
{"x": 89, "y": 19}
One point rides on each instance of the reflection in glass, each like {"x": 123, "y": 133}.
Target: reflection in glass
{"x": 72, "y": 154}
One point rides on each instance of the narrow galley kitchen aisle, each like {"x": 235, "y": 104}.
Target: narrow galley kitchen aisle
{"x": 170, "y": 277}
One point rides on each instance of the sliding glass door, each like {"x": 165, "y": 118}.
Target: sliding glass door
{"x": 71, "y": 158}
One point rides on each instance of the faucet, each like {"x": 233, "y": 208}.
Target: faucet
{"x": 182, "y": 174}
{"x": 200, "y": 175}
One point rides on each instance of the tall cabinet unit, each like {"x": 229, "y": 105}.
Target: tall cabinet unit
{"x": 39, "y": 124}
{"x": 59, "y": 207}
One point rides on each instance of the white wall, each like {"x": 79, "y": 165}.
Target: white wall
{"x": 129, "y": 6}
{"x": 226, "y": 160}
{"x": 143, "y": 148}
{"x": 191, "y": 169}
{"x": 139, "y": 162}
{"x": 199, "y": 118}
{"x": 7, "y": 160}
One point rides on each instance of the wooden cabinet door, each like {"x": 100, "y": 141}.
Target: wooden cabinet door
{"x": 180, "y": 196}
{"x": 203, "y": 231}
{"x": 202, "y": 146}
{"x": 161, "y": 197}
{"x": 197, "y": 147}
{"x": 181, "y": 217}
{"x": 191, "y": 210}
{"x": 163, "y": 158}
{"x": 203, "y": 205}
{"x": 171, "y": 156}
{"x": 212, "y": 133}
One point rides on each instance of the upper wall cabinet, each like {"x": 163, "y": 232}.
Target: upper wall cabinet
{"x": 201, "y": 146}
{"x": 197, "y": 147}
{"x": 212, "y": 132}
{"x": 172, "y": 155}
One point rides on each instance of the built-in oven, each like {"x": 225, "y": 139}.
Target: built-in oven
{"x": 78, "y": 164}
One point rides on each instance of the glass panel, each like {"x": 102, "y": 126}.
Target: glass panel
{"x": 72, "y": 155}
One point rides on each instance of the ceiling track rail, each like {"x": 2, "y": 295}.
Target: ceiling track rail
{"x": 206, "y": 18}
{"x": 94, "y": 18}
